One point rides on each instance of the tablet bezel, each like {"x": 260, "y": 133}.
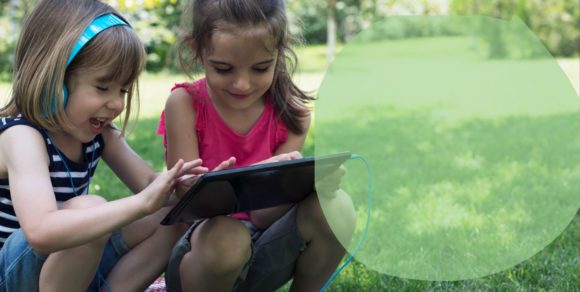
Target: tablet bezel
{"x": 175, "y": 215}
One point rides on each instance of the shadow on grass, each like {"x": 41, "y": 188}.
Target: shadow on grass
{"x": 444, "y": 188}
{"x": 411, "y": 146}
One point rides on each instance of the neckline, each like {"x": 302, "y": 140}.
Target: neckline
{"x": 255, "y": 127}
{"x": 87, "y": 165}
{"x": 84, "y": 146}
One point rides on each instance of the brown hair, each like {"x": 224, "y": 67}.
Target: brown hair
{"x": 45, "y": 43}
{"x": 208, "y": 16}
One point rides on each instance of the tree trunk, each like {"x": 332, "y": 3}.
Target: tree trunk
{"x": 331, "y": 29}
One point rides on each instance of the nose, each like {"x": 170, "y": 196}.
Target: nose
{"x": 117, "y": 103}
{"x": 242, "y": 83}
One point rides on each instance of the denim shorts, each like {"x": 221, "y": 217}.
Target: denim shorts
{"x": 272, "y": 263}
{"x": 20, "y": 266}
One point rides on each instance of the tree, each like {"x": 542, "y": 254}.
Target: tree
{"x": 331, "y": 29}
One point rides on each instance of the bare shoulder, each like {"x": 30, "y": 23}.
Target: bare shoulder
{"x": 306, "y": 119}
{"x": 110, "y": 134}
{"x": 179, "y": 99}
{"x": 19, "y": 135}
{"x": 179, "y": 109}
{"x": 22, "y": 145}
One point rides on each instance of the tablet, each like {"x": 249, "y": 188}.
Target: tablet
{"x": 252, "y": 187}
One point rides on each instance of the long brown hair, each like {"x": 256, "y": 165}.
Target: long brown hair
{"x": 44, "y": 45}
{"x": 207, "y": 16}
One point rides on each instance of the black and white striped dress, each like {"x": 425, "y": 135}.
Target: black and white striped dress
{"x": 60, "y": 177}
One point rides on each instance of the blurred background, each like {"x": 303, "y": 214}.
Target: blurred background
{"x": 320, "y": 23}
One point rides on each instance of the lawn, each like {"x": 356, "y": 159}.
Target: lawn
{"x": 554, "y": 268}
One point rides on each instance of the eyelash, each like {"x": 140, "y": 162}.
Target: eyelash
{"x": 225, "y": 71}
{"x": 104, "y": 89}
{"x": 261, "y": 69}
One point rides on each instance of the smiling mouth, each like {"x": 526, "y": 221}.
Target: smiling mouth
{"x": 240, "y": 96}
{"x": 98, "y": 123}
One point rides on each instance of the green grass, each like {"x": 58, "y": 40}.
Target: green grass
{"x": 469, "y": 176}
{"x": 555, "y": 268}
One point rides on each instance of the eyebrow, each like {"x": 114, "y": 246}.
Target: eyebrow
{"x": 215, "y": 62}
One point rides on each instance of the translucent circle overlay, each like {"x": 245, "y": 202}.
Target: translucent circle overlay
{"x": 472, "y": 133}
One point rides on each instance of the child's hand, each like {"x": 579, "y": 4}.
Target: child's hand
{"x": 190, "y": 173}
{"x": 185, "y": 182}
{"x": 329, "y": 184}
{"x": 282, "y": 157}
{"x": 225, "y": 164}
{"x": 158, "y": 192}
{"x": 193, "y": 167}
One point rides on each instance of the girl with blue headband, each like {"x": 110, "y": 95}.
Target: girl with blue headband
{"x": 76, "y": 70}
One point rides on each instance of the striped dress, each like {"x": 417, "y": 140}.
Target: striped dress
{"x": 62, "y": 173}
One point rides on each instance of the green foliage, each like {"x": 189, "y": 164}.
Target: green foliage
{"x": 11, "y": 15}
{"x": 157, "y": 23}
{"x": 555, "y": 22}
{"x": 310, "y": 18}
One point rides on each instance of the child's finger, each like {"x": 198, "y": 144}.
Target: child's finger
{"x": 197, "y": 171}
{"x": 193, "y": 163}
{"x": 341, "y": 171}
{"x": 187, "y": 179}
{"x": 176, "y": 169}
{"x": 192, "y": 167}
{"x": 295, "y": 155}
{"x": 225, "y": 164}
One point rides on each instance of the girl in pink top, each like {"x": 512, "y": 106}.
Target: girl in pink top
{"x": 245, "y": 111}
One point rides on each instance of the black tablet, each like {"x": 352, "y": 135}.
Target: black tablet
{"x": 252, "y": 187}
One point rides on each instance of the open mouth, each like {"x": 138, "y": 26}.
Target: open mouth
{"x": 98, "y": 123}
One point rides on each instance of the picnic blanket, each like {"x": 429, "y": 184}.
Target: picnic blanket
{"x": 157, "y": 286}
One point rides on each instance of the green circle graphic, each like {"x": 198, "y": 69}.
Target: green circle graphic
{"x": 471, "y": 130}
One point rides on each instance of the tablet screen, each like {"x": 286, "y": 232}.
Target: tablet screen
{"x": 251, "y": 188}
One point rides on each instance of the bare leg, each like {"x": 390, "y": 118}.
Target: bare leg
{"x": 73, "y": 269}
{"x": 151, "y": 245}
{"x": 324, "y": 251}
{"x": 221, "y": 246}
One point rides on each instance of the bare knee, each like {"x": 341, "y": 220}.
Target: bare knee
{"x": 83, "y": 202}
{"x": 333, "y": 217}
{"x": 222, "y": 244}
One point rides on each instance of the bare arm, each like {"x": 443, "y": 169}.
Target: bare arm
{"x": 126, "y": 164}
{"x": 265, "y": 217}
{"x": 180, "y": 128}
{"x": 49, "y": 229}
{"x": 180, "y": 132}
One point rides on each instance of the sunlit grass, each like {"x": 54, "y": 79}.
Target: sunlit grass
{"x": 555, "y": 268}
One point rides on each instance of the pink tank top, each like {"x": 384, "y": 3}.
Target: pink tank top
{"x": 217, "y": 141}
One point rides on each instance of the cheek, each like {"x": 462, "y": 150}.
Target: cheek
{"x": 265, "y": 81}
{"x": 216, "y": 81}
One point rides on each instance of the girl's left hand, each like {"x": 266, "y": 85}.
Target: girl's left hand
{"x": 282, "y": 157}
{"x": 329, "y": 184}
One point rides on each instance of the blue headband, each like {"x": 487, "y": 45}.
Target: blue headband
{"x": 98, "y": 25}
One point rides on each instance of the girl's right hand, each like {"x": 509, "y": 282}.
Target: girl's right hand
{"x": 156, "y": 194}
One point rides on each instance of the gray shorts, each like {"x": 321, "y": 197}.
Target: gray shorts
{"x": 20, "y": 266}
{"x": 272, "y": 263}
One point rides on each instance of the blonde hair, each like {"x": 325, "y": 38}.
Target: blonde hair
{"x": 47, "y": 38}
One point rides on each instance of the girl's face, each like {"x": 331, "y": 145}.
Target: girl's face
{"x": 94, "y": 102}
{"x": 239, "y": 66}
